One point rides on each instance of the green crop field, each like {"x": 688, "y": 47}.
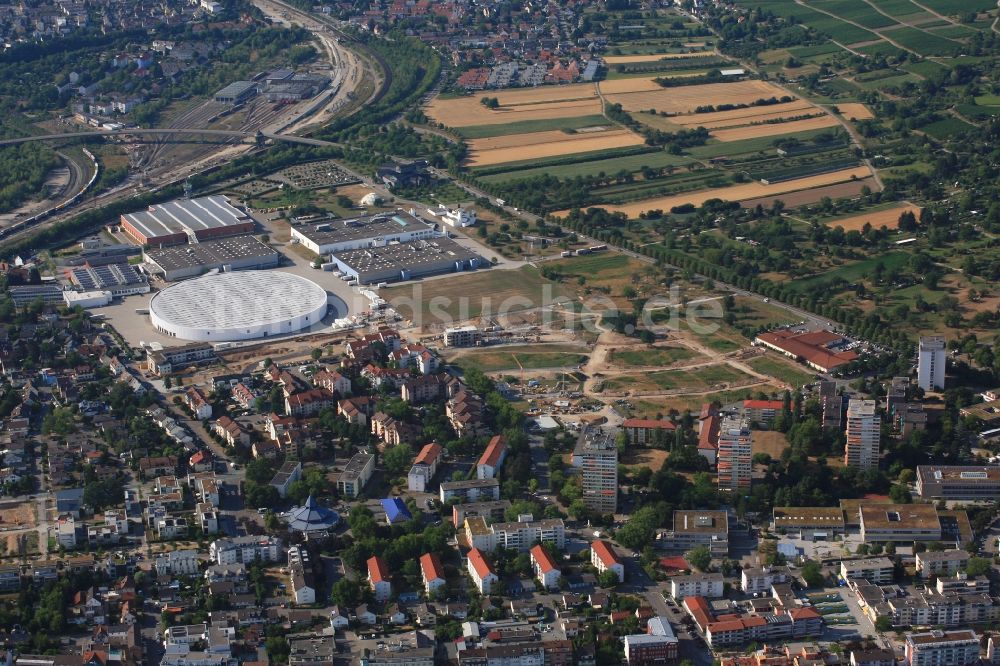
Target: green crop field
{"x": 883, "y": 48}
{"x": 852, "y": 10}
{"x": 759, "y": 144}
{"x": 806, "y": 52}
{"x": 955, "y": 31}
{"x": 926, "y": 43}
{"x": 947, "y": 127}
{"x": 631, "y": 163}
{"x": 925, "y": 68}
{"x": 902, "y": 9}
{"x": 959, "y": 7}
{"x": 565, "y": 159}
{"x": 527, "y": 126}
{"x": 881, "y": 84}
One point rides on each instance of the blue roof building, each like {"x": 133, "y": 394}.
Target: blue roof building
{"x": 395, "y": 511}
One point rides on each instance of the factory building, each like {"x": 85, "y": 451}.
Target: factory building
{"x": 237, "y": 253}
{"x": 186, "y": 220}
{"x": 331, "y": 236}
{"x": 407, "y": 261}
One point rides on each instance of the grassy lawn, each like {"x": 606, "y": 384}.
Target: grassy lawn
{"x": 781, "y": 369}
{"x": 471, "y": 295}
{"x": 530, "y": 357}
{"x": 667, "y": 380}
{"x": 854, "y": 271}
{"x": 651, "y": 356}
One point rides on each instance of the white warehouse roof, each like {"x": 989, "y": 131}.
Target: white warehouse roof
{"x": 238, "y": 306}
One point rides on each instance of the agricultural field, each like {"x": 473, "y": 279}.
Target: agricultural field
{"x": 740, "y": 192}
{"x": 775, "y": 129}
{"x": 855, "y": 111}
{"x": 887, "y": 217}
{"x": 685, "y": 99}
{"x": 517, "y": 106}
{"x": 539, "y": 145}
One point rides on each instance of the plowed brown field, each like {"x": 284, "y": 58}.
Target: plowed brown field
{"x": 735, "y": 192}
{"x": 498, "y": 150}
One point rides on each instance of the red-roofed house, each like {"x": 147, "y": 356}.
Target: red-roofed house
{"x": 604, "y": 559}
{"x": 481, "y": 571}
{"x": 433, "y": 573}
{"x": 198, "y": 403}
{"x": 642, "y": 432}
{"x": 378, "y": 579}
{"x": 200, "y": 461}
{"x": 492, "y": 459}
{"x": 424, "y": 467}
{"x": 545, "y": 567}
{"x": 811, "y": 348}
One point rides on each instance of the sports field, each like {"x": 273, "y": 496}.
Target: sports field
{"x": 736, "y": 192}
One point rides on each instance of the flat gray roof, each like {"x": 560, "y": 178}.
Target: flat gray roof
{"x": 235, "y": 89}
{"x": 209, "y": 253}
{"x": 326, "y": 232}
{"x": 185, "y": 215}
{"x": 413, "y": 254}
